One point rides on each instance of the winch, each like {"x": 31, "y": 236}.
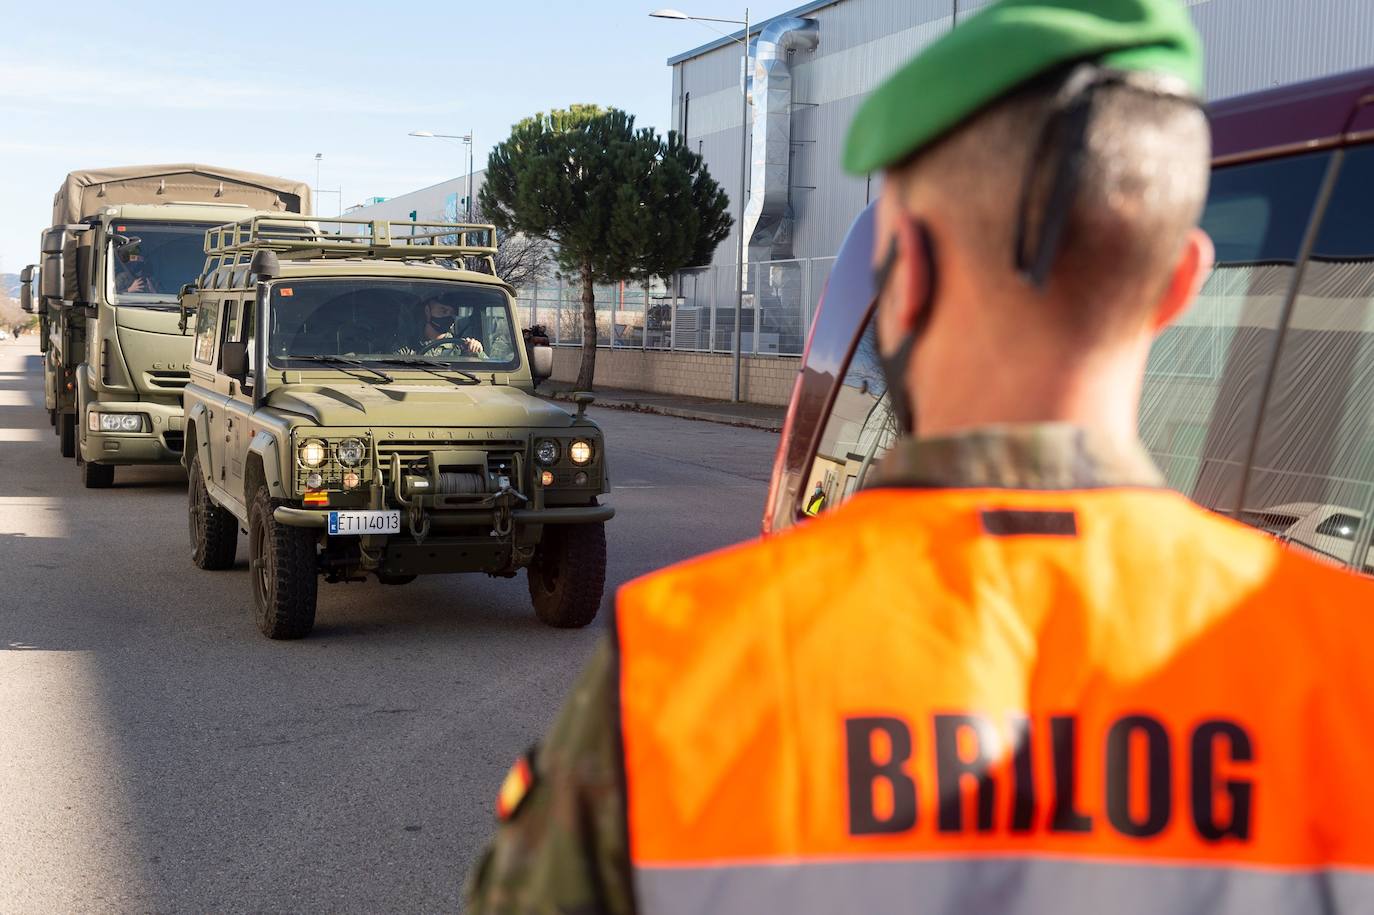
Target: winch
{"x": 458, "y": 481}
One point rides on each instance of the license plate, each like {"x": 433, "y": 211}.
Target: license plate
{"x": 353, "y": 524}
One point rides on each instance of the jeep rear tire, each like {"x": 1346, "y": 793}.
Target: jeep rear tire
{"x": 97, "y": 476}
{"x": 568, "y": 574}
{"x": 66, "y": 434}
{"x": 283, "y": 567}
{"x": 214, "y": 530}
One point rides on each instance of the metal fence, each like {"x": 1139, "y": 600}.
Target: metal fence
{"x": 692, "y": 312}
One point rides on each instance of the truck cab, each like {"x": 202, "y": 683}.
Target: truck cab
{"x": 116, "y": 349}
{"x": 362, "y": 403}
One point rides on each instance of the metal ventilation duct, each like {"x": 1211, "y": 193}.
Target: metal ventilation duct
{"x": 768, "y": 215}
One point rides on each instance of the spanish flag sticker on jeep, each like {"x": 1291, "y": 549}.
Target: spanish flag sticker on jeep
{"x": 516, "y": 786}
{"x": 286, "y": 292}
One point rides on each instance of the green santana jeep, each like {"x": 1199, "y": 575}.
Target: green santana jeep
{"x": 362, "y": 402}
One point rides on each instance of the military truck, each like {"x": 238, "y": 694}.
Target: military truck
{"x": 123, "y": 242}
{"x": 362, "y": 404}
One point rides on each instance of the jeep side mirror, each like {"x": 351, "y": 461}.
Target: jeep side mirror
{"x": 233, "y": 360}
{"x": 541, "y": 362}
{"x": 185, "y": 306}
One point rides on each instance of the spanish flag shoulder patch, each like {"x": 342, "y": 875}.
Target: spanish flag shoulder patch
{"x": 516, "y": 787}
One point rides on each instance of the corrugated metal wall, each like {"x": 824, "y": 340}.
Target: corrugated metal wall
{"x": 1252, "y": 44}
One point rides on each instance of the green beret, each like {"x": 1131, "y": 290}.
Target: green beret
{"x": 1006, "y": 45}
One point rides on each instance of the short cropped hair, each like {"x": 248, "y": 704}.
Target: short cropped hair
{"x": 1142, "y": 187}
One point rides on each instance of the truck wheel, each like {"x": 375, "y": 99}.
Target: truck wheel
{"x": 97, "y": 476}
{"x": 66, "y": 433}
{"x": 283, "y": 568}
{"x": 214, "y": 530}
{"x": 568, "y": 574}
{"x": 52, "y": 417}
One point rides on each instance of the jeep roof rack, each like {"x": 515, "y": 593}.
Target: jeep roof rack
{"x": 296, "y": 237}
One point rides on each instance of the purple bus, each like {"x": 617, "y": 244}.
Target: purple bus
{"x": 1259, "y": 403}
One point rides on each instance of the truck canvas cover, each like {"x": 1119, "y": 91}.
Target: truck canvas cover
{"x": 84, "y": 193}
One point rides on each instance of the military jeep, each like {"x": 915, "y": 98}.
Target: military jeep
{"x": 362, "y": 404}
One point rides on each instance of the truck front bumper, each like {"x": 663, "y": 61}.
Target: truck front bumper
{"x": 162, "y": 445}
{"x": 581, "y": 514}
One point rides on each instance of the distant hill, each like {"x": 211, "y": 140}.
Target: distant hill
{"x": 9, "y": 284}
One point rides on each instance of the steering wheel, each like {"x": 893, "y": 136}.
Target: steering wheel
{"x": 443, "y": 342}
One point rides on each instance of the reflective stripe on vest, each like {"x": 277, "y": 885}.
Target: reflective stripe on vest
{"x": 973, "y": 700}
{"x": 998, "y": 886}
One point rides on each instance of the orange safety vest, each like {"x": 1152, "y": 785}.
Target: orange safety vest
{"x": 990, "y": 701}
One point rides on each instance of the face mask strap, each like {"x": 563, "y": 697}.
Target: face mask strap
{"x": 1063, "y": 143}
{"x": 896, "y": 366}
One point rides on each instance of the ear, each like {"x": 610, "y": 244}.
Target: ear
{"x": 1190, "y": 272}
{"x": 901, "y": 299}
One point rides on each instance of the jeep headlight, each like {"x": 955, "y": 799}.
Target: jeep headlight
{"x": 311, "y": 452}
{"x": 546, "y": 451}
{"x": 349, "y": 452}
{"x": 580, "y": 452}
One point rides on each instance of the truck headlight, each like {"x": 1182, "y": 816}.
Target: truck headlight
{"x": 116, "y": 422}
{"x": 580, "y": 452}
{"x": 546, "y": 451}
{"x": 311, "y": 452}
{"x": 349, "y": 452}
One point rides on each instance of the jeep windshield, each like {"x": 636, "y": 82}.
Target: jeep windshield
{"x": 149, "y": 262}
{"x": 390, "y": 322}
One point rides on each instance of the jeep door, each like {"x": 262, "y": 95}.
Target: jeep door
{"x": 239, "y": 327}
{"x": 211, "y": 389}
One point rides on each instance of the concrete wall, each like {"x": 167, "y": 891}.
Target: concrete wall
{"x": 763, "y": 379}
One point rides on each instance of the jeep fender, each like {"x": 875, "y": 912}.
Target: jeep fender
{"x": 198, "y": 417}
{"x": 265, "y": 447}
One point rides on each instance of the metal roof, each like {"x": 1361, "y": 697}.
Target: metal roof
{"x": 754, "y": 28}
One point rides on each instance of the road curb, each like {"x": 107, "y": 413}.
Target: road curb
{"x": 707, "y": 416}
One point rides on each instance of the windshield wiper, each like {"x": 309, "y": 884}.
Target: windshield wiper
{"x": 433, "y": 367}
{"x": 340, "y": 361}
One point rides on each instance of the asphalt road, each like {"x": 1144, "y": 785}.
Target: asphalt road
{"x": 158, "y": 754}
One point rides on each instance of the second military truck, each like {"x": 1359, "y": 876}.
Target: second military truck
{"x": 362, "y": 404}
{"x": 123, "y": 242}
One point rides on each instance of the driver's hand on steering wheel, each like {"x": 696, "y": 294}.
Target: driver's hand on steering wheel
{"x": 472, "y": 345}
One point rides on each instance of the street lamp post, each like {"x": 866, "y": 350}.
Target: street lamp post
{"x": 466, "y": 138}
{"x": 743, "y": 177}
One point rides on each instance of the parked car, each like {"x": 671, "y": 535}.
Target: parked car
{"x": 1331, "y": 532}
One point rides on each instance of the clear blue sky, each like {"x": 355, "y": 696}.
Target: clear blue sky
{"x": 264, "y": 86}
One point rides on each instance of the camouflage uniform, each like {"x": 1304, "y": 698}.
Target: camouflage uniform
{"x": 565, "y": 848}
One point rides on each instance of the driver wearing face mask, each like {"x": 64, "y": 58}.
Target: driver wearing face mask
{"x": 440, "y": 325}
{"x": 132, "y": 275}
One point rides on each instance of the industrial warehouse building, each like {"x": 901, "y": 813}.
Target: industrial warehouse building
{"x": 443, "y": 202}
{"x": 813, "y": 66}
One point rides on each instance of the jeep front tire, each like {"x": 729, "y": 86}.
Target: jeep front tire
{"x": 284, "y": 571}
{"x": 568, "y": 574}
{"x": 214, "y": 530}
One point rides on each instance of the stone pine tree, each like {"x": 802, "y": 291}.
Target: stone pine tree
{"x": 620, "y": 203}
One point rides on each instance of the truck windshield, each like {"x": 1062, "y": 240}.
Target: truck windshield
{"x": 389, "y": 321}
{"x": 151, "y": 261}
